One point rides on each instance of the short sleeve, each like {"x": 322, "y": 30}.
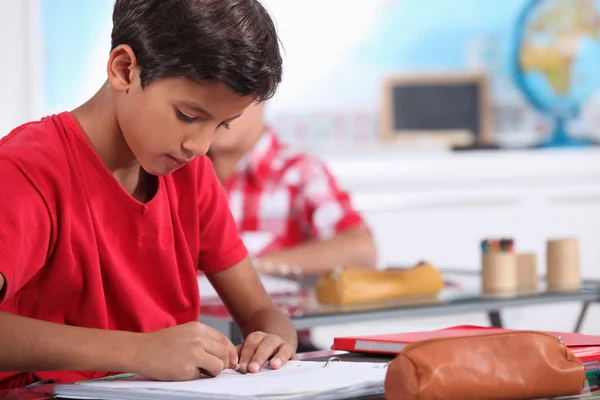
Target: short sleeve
{"x": 325, "y": 209}
{"x": 25, "y": 228}
{"x": 220, "y": 244}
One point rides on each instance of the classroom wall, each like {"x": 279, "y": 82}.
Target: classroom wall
{"x": 77, "y": 40}
{"x": 335, "y": 54}
{"x": 21, "y": 64}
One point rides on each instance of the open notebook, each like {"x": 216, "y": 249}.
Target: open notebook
{"x": 297, "y": 380}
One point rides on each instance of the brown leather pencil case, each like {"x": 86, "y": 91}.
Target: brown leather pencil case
{"x": 512, "y": 365}
{"x": 353, "y": 286}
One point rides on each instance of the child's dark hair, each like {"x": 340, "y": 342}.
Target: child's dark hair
{"x": 233, "y": 41}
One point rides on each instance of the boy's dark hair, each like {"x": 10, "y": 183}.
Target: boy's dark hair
{"x": 233, "y": 41}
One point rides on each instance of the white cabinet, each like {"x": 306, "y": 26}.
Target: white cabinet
{"x": 439, "y": 205}
{"x": 445, "y": 226}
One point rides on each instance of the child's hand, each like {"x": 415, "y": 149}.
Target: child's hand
{"x": 184, "y": 352}
{"x": 259, "y": 347}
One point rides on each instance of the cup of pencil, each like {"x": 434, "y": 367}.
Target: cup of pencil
{"x": 498, "y": 266}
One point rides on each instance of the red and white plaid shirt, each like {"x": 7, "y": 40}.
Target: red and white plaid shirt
{"x": 281, "y": 197}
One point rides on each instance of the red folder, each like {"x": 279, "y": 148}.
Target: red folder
{"x": 585, "y": 347}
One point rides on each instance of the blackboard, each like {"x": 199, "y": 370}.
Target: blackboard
{"x": 439, "y": 105}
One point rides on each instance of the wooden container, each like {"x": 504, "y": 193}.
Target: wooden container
{"x": 499, "y": 273}
{"x": 563, "y": 271}
{"x": 527, "y": 272}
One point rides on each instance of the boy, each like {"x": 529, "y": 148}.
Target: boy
{"x": 107, "y": 212}
{"x": 287, "y": 202}
{"x": 287, "y": 205}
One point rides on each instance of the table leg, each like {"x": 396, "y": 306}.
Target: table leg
{"x": 495, "y": 319}
{"x": 582, "y": 313}
{"x": 235, "y": 335}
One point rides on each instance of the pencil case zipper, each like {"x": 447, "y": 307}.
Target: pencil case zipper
{"x": 414, "y": 345}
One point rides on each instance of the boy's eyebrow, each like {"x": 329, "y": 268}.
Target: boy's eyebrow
{"x": 234, "y": 117}
{"x": 201, "y": 110}
{"x": 198, "y": 108}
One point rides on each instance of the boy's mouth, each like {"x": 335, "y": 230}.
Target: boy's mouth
{"x": 176, "y": 162}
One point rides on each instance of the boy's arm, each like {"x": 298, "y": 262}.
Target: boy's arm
{"x": 353, "y": 247}
{"x": 178, "y": 353}
{"x": 336, "y": 233}
{"x": 267, "y": 330}
{"x": 31, "y": 345}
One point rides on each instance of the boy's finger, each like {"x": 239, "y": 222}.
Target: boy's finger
{"x": 220, "y": 351}
{"x": 248, "y": 350}
{"x": 211, "y": 365}
{"x": 233, "y": 352}
{"x": 284, "y": 354}
{"x": 265, "y": 350}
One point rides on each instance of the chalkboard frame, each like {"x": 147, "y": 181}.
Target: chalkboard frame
{"x": 447, "y": 138}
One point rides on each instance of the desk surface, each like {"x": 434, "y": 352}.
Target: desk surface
{"x": 306, "y": 312}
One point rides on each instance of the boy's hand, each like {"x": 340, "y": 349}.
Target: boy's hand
{"x": 259, "y": 347}
{"x": 183, "y": 352}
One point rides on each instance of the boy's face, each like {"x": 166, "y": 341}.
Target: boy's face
{"x": 171, "y": 121}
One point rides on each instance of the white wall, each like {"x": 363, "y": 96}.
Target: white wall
{"x": 21, "y": 63}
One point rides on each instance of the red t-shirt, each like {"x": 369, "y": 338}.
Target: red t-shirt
{"x": 77, "y": 249}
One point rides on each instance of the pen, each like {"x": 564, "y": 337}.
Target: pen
{"x": 111, "y": 378}
{"x": 238, "y": 368}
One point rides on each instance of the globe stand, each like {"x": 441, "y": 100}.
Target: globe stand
{"x": 560, "y": 138}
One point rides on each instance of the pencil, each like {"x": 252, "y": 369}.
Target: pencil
{"x": 238, "y": 368}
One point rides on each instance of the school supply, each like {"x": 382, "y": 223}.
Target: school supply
{"x": 527, "y": 272}
{"x": 584, "y": 347}
{"x": 592, "y": 372}
{"x": 504, "y": 245}
{"x": 508, "y": 365}
{"x": 297, "y": 380}
{"x": 353, "y": 286}
{"x": 563, "y": 269}
{"x": 498, "y": 267}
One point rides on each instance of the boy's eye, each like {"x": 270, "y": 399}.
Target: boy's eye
{"x": 184, "y": 117}
{"x": 224, "y": 125}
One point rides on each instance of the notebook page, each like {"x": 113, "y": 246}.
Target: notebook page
{"x": 296, "y": 377}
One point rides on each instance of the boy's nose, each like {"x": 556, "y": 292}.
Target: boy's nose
{"x": 198, "y": 146}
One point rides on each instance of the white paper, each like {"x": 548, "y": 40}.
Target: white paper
{"x": 295, "y": 378}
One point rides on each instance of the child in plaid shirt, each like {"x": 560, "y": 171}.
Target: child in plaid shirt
{"x": 288, "y": 207}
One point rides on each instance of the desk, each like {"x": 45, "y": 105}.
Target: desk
{"x": 306, "y": 313}
{"x": 44, "y": 392}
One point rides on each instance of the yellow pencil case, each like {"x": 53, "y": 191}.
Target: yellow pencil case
{"x": 355, "y": 286}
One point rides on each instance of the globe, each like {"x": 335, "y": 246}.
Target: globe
{"x": 556, "y": 60}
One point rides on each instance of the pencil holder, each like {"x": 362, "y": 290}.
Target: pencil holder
{"x": 563, "y": 271}
{"x": 527, "y": 272}
{"x": 498, "y": 273}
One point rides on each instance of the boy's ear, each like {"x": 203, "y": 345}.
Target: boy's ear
{"x": 122, "y": 68}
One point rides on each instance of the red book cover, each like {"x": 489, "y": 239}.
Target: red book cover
{"x": 582, "y": 345}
